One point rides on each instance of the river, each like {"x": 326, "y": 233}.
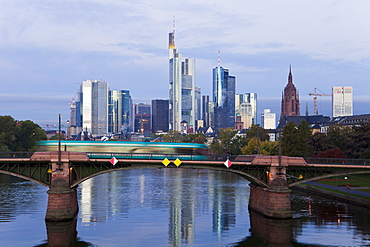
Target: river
{"x": 173, "y": 207}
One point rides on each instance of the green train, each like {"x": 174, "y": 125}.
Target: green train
{"x": 129, "y": 150}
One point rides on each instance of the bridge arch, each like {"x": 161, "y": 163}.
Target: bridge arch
{"x": 25, "y": 178}
{"x": 351, "y": 172}
{"x": 245, "y": 175}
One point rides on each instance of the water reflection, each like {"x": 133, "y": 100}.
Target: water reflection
{"x": 63, "y": 234}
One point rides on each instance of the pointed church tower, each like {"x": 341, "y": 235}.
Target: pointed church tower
{"x": 290, "y": 99}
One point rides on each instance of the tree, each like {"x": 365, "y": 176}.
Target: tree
{"x": 228, "y": 143}
{"x": 195, "y": 138}
{"x": 304, "y": 134}
{"x": 7, "y": 133}
{"x": 319, "y": 142}
{"x": 253, "y": 147}
{"x": 358, "y": 146}
{"x": 338, "y": 136}
{"x": 289, "y": 140}
{"x": 270, "y": 148}
{"x": 226, "y": 136}
{"x": 27, "y": 135}
{"x": 295, "y": 140}
{"x": 215, "y": 147}
{"x": 172, "y": 136}
{"x": 258, "y": 132}
{"x": 331, "y": 153}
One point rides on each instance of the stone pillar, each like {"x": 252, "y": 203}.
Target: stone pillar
{"x": 272, "y": 202}
{"x": 62, "y": 201}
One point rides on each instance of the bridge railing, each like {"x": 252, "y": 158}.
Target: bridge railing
{"x": 337, "y": 161}
{"x": 15, "y": 155}
{"x": 100, "y": 155}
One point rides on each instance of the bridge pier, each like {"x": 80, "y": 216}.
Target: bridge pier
{"x": 62, "y": 200}
{"x": 273, "y": 201}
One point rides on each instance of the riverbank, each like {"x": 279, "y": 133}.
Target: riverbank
{"x": 343, "y": 194}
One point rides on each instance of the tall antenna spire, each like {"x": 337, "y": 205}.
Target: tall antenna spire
{"x": 219, "y": 59}
{"x": 173, "y": 25}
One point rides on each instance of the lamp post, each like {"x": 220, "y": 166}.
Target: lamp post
{"x": 59, "y": 150}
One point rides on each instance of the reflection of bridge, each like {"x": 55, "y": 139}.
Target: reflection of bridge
{"x": 270, "y": 176}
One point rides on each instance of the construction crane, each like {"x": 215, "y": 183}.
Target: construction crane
{"x": 48, "y": 125}
{"x": 315, "y": 94}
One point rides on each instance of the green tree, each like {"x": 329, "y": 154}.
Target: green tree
{"x": 253, "y": 147}
{"x": 258, "y": 132}
{"x": 304, "y": 135}
{"x": 358, "y": 146}
{"x": 228, "y": 142}
{"x": 172, "y": 136}
{"x": 289, "y": 140}
{"x": 7, "y": 133}
{"x": 215, "y": 147}
{"x": 338, "y": 136}
{"x": 295, "y": 140}
{"x": 27, "y": 135}
{"x": 195, "y": 138}
{"x": 226, "y": 137}
{"x": 270, "y": 148}
{"x": 319, "y": 142}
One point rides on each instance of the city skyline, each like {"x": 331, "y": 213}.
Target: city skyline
{"x": 46, "y": 48}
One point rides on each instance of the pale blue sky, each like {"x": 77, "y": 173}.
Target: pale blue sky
{"x": 48, "y": 47}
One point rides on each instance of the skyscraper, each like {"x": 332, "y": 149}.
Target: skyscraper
{"x": 205, "y": 110}
{"x": 181, "y": 88}
{"x": 290, "y": 105}
{"x": 246, "y": 108}
{"x": 95, "y": 107}
{"x": 223, "y": 98}
{"x": 142, "y": 115}
{"x": 119, "y": 111}
{"x": 159, "y": 115}
{"x": 342, "y": 101}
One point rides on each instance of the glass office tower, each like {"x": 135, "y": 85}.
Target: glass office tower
{"x": 119, "y": 111}
{"x": 95, "y": 107}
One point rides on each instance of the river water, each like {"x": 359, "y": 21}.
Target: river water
{"x": 173, "y": 207}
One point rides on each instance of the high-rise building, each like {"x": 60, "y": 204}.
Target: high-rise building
{"x": 268, "y": 119}
{"x": 342, "y": 101}
{"x": 246, "y": 108}
{"x": 95, "y": 107}
{"x": 290, "y": 105}
{"x": 205, "y": 110}
{"x": 142, "y": 118}
{"x": 119, "y": 111}
{"x": 159, "y": 115}
{"x": 197, "y": 105}
{"x": 181, "y": 88}
{"x": 223, "y": 98}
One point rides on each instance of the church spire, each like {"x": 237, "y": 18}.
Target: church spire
{"x": 290, "y": 77}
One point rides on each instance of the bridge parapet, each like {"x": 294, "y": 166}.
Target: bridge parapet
{"x": 54, "y": 156}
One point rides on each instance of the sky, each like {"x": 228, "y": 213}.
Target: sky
{"x": 47, "y": 48}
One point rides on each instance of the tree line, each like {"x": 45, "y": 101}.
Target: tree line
{"x": 19, "y": 135}
{"x": 298, "y": 141}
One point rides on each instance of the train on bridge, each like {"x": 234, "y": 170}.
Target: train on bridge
{"x": 128, "y": 149}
